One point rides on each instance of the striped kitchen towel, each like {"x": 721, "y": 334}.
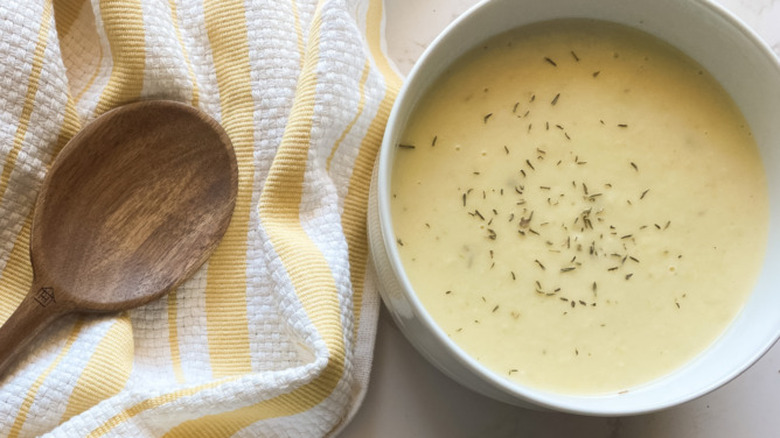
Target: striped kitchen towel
{"x": 274, "y": 335}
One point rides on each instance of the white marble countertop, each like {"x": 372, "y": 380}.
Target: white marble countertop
{"x": 408, "y": 397}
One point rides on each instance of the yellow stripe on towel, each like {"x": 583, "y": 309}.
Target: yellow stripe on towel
{"x": 298, "y": 31}
{"x": 226, "y": 314}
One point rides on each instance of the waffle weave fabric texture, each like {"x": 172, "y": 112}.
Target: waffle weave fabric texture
{"x": 274, "y": 335}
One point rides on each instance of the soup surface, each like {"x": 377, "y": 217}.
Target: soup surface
{"x": 579, "y": 206}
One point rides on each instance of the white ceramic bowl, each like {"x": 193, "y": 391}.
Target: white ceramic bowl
{"x": 746, "y": 68}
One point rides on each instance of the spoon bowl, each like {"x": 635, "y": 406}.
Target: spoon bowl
{"x": 133, "y": 205}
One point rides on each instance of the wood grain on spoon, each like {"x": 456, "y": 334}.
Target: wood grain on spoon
{"x": 131, "y": 207}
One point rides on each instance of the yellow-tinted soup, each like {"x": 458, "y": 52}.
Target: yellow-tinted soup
{"x": 579, "y": 206}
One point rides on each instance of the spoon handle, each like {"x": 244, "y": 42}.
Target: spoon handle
{"x": 39, "y": 308}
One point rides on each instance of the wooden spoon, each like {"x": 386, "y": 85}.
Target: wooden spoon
{"x": 131, "y": 207}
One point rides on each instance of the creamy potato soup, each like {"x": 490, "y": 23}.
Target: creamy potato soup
{"x": 579, "y": 206}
